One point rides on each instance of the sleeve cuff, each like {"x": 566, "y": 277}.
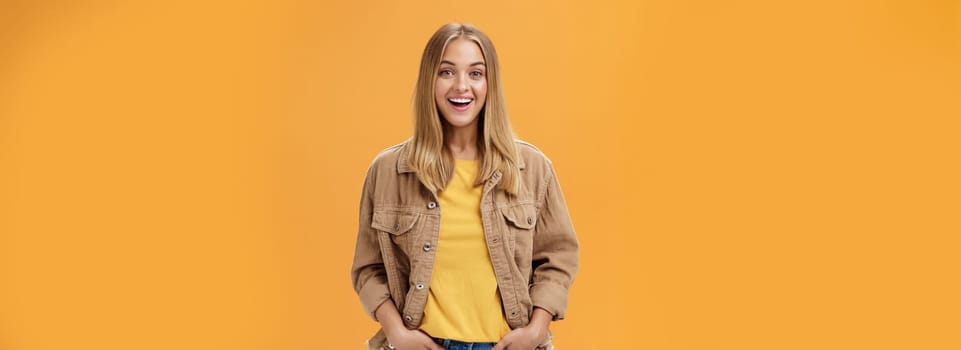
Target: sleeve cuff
{"x": 551, "y": 297}
{"x": 372, "y": 295}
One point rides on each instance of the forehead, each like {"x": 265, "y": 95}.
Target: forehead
{"x": 463, "y": 51}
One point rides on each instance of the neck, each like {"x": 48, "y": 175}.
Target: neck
{"x": 462, "y": 142}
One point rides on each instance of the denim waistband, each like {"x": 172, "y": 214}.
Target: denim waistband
{"x": 461, "y": 345}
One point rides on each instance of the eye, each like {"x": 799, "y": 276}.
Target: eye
{"x": 476, "y": 74}
{"x": 446, "y": 72}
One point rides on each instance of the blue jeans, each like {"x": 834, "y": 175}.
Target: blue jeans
{"x": 459, "y": 345}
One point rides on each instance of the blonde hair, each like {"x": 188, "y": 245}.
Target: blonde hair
{"x": 429, "y": 156}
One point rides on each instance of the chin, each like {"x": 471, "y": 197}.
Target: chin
{"x": 460, "y": 121}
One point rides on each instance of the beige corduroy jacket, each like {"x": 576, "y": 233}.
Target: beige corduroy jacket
{"x": 530, "y": 239}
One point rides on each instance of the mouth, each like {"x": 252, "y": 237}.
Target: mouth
{"x": 460, "y": 104}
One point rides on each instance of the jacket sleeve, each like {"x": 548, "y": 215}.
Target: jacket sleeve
{"x": 367, "y": 272}
{"x": 555, "y": 256}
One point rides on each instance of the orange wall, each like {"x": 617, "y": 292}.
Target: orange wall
{"x": 742, "y": 174}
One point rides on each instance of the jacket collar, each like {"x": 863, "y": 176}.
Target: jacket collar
{"x": 403, "y": 167}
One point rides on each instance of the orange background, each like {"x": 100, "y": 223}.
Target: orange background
{"x": 741, "y": 174}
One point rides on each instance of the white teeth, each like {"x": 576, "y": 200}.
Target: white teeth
{"x": 460, "y": 100}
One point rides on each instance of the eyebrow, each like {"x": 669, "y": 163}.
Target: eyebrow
{"x": 472, "y": 64}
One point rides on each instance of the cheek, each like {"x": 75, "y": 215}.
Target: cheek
{"x": 439, "y": 89}
{"x": 480, "y": 90}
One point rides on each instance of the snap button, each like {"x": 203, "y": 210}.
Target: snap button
{"x": 420, "y": 286}
{"x": 431, "y": 205}
{"x": 530, "y": 220}
{"x": 427, "y": 247}
{"x": 397, "y": 226}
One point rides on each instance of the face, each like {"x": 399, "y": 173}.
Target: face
{"x": 460, "y": 88}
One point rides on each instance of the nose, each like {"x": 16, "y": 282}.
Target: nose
{"x": 461, "y": 83}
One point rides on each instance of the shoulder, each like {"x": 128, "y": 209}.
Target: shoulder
{"x": 394, "y": 157}
{"x": 534, "y": 163}
{"x": 531, "y": 155}
{"x": 389, "y": 158}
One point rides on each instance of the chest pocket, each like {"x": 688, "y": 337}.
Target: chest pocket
{"x": 520, "y": 220}
{"x": 522, "y": 216}
{"x": 399, "y": 225}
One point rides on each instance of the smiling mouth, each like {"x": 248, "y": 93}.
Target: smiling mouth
{"x": 460, "y": 104}
{"x": 460, "y": 101}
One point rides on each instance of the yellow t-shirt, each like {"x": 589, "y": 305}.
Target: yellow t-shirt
{"x": 464, "y": 302}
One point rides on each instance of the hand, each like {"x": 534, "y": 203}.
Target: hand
{"x": 398, "y": 336}
{"x": 406, "y": 339}
{"x": 524, "y": 338}
{"x": 527, "y": 337}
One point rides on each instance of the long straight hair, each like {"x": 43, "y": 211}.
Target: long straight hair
{"x": 429, "y": 156}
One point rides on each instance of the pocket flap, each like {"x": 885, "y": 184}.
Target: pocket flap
{"x": 522, "y": 216}
{"x": 393, "y": 222}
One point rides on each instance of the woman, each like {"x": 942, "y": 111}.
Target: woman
{"x": 464, "y": 238}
